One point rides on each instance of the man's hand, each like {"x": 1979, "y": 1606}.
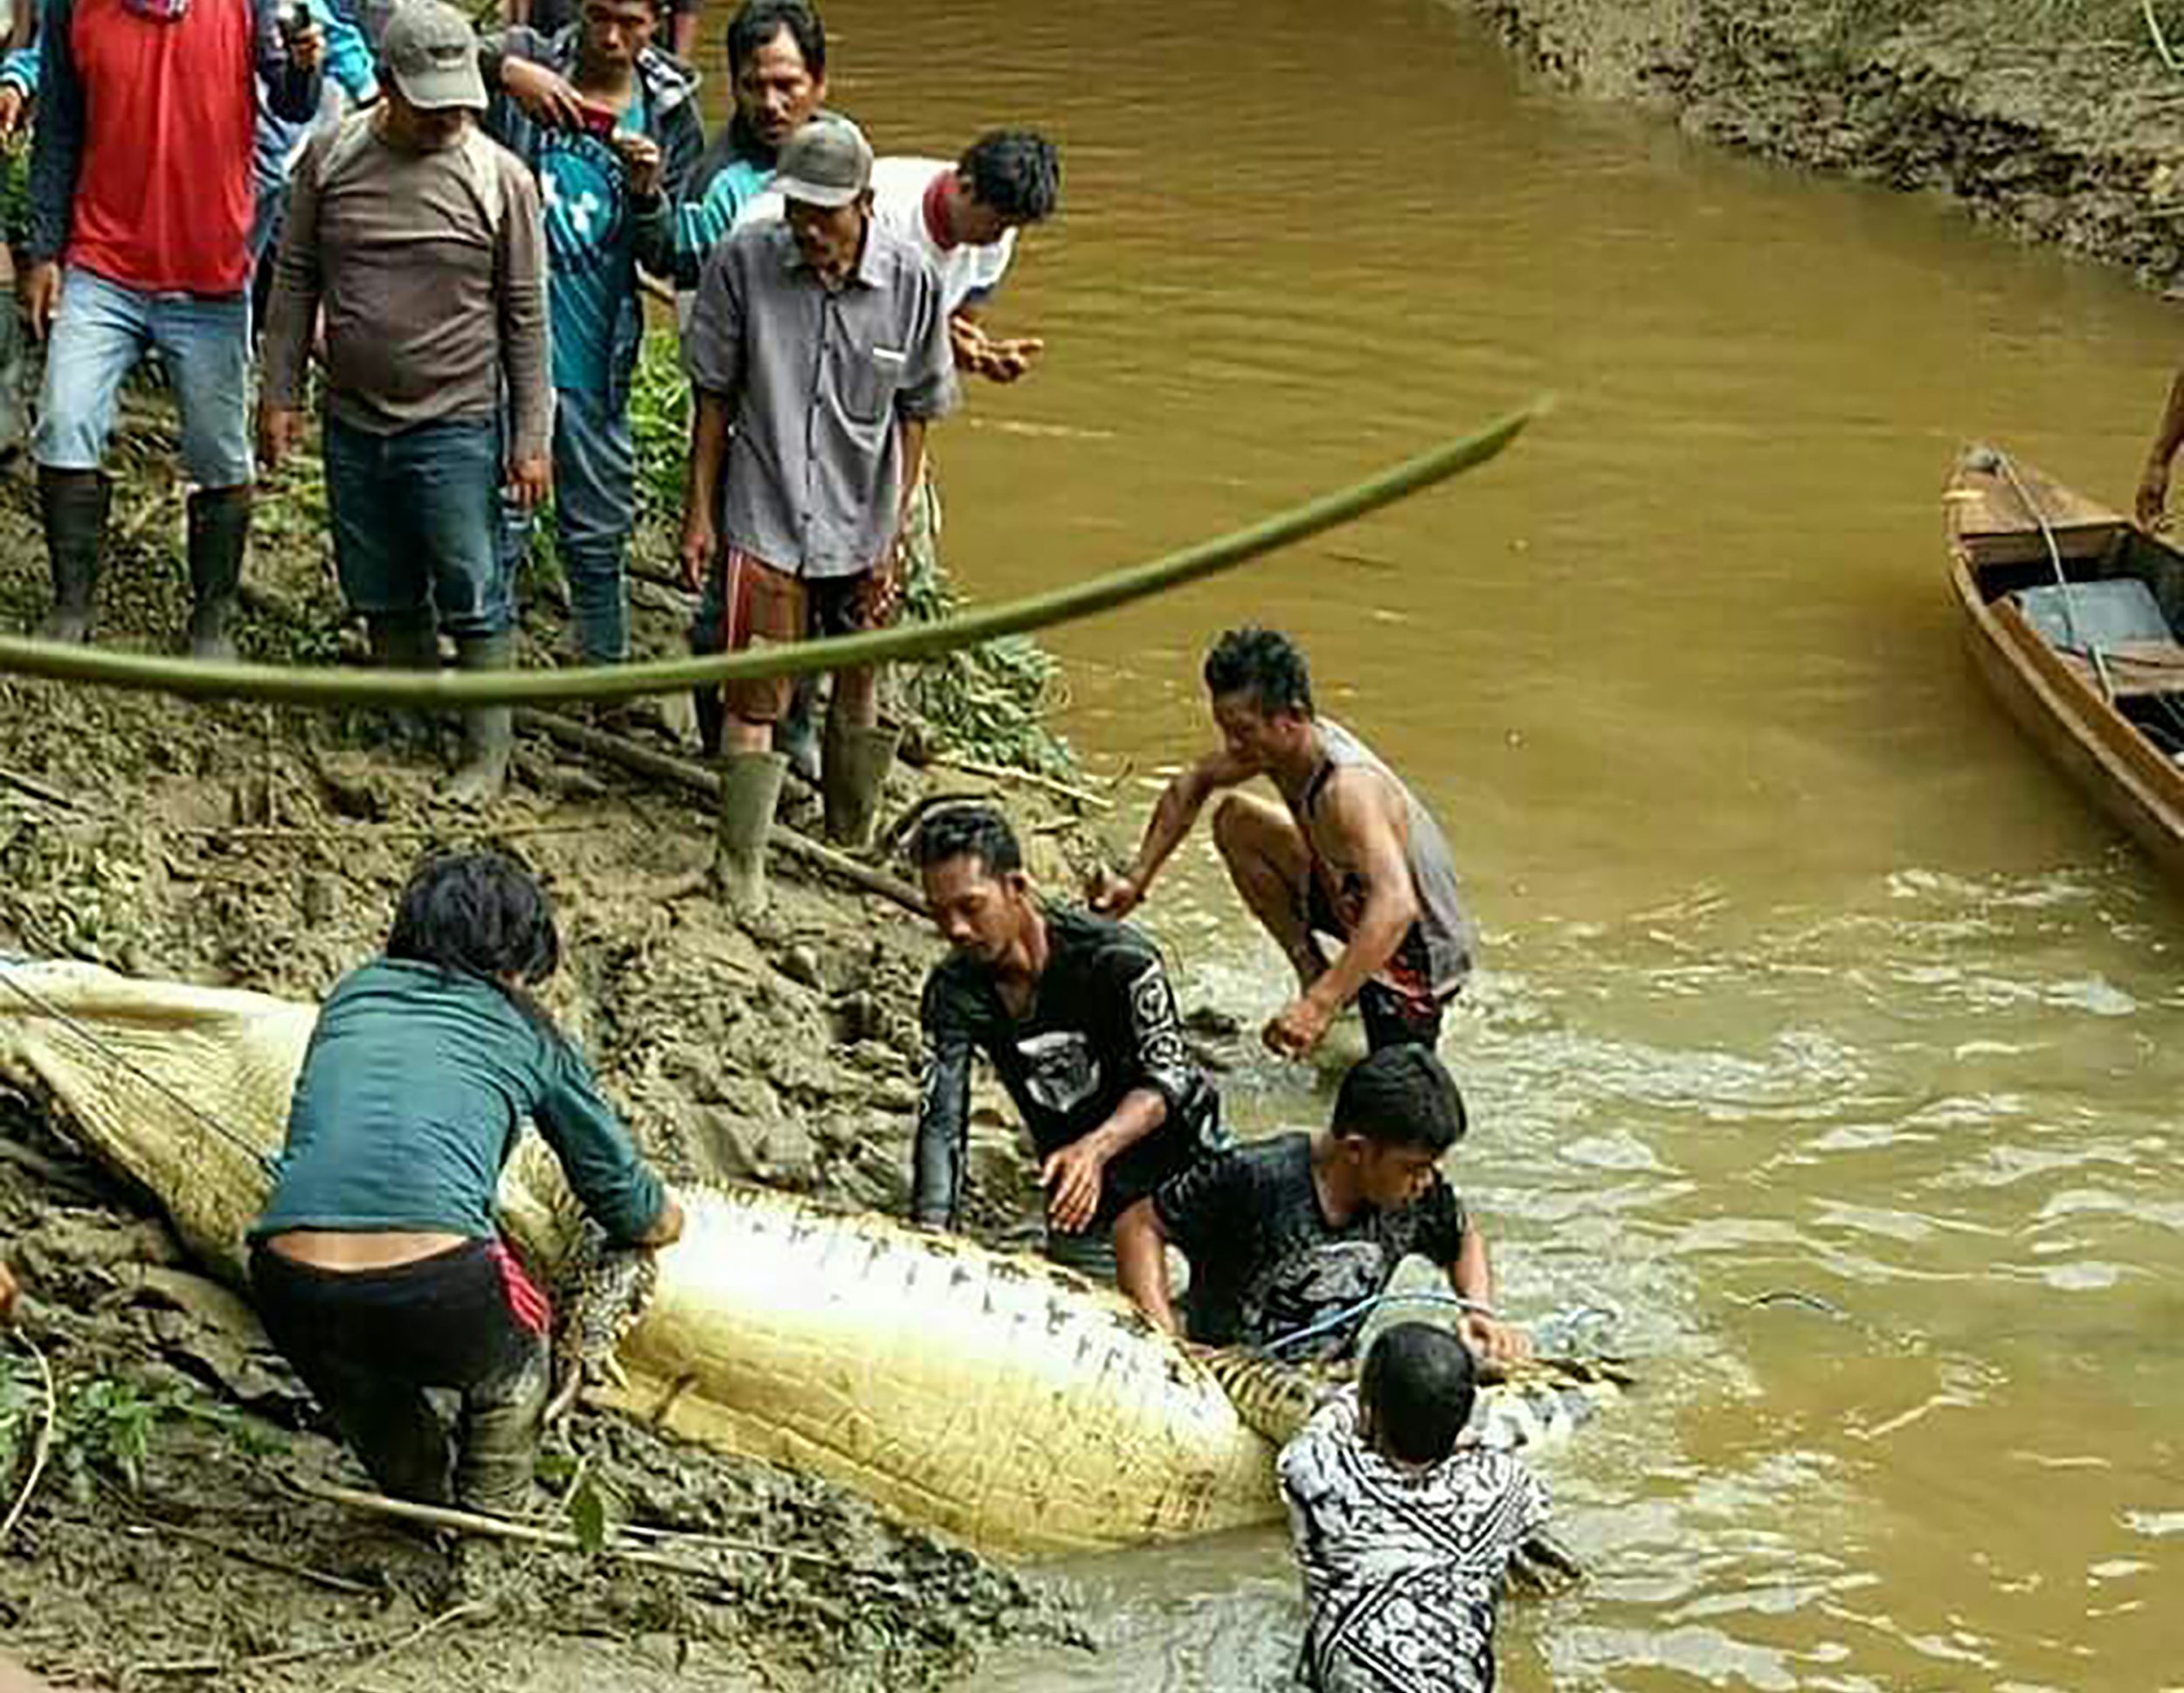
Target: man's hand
{"x": 307, "y": 48}
{"x": 641, "y": 163}
{"x": 1298, "y": 1027}
{"x": 531, "y": 480}
{"x": 666, "y": 1228}
{"x": 698, "y": 544}
{"x": 11, "y": 103}
{"x": 1073, "y": 1178}
{"x": 1491, "y": 1341}
{"x": 2152, "y": 506}
{"x": 545, "y": 96}
{"x": 41, "y": 297}
{"x": 1007, "y": 360}
{"x": 7, "y": 1295}
{"x": 280, "y": 427}
{"x": 1113, "y": 896}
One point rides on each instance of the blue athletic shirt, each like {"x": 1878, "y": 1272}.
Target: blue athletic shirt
{"x": 590, "y": 250}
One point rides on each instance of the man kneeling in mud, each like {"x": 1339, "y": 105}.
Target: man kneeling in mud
{"x": 1075, "y": 1013}
{"x": 1404, "y": 1532}
{"x": 377, "y": 1265}
{"x": 1292, "y": 1239}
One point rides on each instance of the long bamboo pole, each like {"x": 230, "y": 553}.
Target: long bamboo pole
{"x": 336, "y": 687}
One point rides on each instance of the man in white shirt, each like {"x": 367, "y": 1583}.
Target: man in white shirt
{"x": 964, "y": 218}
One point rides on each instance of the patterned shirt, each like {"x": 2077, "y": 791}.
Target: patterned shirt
{"x": 1403, "y": 1566}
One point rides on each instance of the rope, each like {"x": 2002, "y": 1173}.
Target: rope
{"x": 2160, "y": 39}
{"x": 2061, "y": 576}
{"x": 290, "y": 685}
{"x": 90, "y": 1037}
{"x": 1370, "y": 1304}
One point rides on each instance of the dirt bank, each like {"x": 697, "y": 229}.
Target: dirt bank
{"x": 2058, "y": 122}
{"x": 264, "y": 848}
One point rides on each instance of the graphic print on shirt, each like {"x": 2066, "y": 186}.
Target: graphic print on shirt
{"x": 1060, "y": 1070}
{"x": 1310, "y": 1282}
{"x": 585, "y": 200}
{"x": 1161, "y": 1050}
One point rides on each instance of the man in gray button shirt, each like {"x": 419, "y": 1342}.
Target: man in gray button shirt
{"x": 819, "y": 349}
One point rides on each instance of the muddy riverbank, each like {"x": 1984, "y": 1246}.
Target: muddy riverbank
{"x": 166, "y": 1542}
{"x": 2059, "y": 123}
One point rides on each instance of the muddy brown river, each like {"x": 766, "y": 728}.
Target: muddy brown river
{"x": 1804, "y": 972}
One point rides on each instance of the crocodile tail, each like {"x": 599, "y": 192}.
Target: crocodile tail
{"x": 1541, "y": 1402}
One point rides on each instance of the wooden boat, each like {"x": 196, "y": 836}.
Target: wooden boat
{"x": 2071, "y": 613}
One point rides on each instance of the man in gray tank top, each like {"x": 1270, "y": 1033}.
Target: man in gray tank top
{"x": 1350, "y": 853}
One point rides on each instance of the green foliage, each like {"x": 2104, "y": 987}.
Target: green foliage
{"x": 111, "y": 1426}
{"x": 989, "y": 702}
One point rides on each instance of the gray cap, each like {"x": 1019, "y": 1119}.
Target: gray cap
{"x": 429, "y": 53}
{"x": 827, "y": 163}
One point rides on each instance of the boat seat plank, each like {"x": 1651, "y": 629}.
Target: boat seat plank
{"x": 2134, "y": 668}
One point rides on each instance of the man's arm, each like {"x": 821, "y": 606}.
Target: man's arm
{"x": 2153, "y": 481}
{"x": 1178, "y": 809}
{"x": 58, "y": 140}
{"x": 711, "y": 416}
{"x": 350, "y": 59}
{"x": 1471, "y": 1278}
{"x": 605, "y": 1172}
{"x": 942, "y": 1146}
{"x": 1141, "y": 1264}
{"x": 1075, "y": 1176}
{"x": 520, "y": 290}
{"x": 293, "y": 315}
{"x": 1365, "y": 816}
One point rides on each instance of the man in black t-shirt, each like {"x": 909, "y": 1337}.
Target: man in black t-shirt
{"x": 1075, "y": 1014}
{"x": 1291, "y": 1239}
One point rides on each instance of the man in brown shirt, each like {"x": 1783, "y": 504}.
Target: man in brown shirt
{"x": 422, "y": 240}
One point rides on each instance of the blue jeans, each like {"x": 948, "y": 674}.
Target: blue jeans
{"x": 415, "y": 516}
{"x": 102, "y": 329}
{"x": 595, "y": 513}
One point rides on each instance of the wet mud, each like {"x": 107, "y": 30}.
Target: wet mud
{"x": 166, "y": 1543}
{"x": 2060, "y": 125}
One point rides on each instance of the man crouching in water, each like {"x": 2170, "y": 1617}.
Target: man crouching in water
{"x": 1075, "y": 1013}
{"x": 1291, "y": 1239}
{"x": 377, "y": 1265}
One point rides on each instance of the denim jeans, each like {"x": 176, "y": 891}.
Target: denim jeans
{"x": 102, "y": 329}
{"x": 416, "y": 519}
{"x": 595, "y": 513}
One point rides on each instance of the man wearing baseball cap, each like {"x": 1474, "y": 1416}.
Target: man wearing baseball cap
{"x": 423, "y": 240}
{"x": 819, "y": 351}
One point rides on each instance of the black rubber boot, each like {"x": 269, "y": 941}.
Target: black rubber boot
{"x": 851, "y": 778}
{"x": 497, "y": 1440}
{"x": 73, "y": 505}
{"x": 712, "y": 718}
{"x": 796, "y": 737}
{"x": 405, "y": 643}
{"x": 220, "y": 533}
{"x": 488, "y": 731}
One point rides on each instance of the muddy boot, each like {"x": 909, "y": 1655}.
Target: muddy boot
{"x": 405, "y": 643}
{"x": 15, "y": 416}
{"x": 219, "y": 531}
{"x": 751, "y": 787}
{"x": 855, "y": 771}
{"x": 795, "y": 737}
{"x": 488, "y": 731}
{"x": 497, "y": 1443}
{"x": 73, "y": 504}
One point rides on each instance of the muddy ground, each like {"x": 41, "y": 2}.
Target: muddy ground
{"x": 2058, "y": 122}
{"x": 167, "y": 1543}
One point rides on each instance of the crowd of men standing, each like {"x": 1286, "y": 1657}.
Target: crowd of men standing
{"x": 457, "y": 234}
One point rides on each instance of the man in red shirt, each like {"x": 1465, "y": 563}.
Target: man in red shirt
{"x": 141, "y": 196}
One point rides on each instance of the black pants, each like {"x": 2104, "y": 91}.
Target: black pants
{"x": 369, "y": 1343}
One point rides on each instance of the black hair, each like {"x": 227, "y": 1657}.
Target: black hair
{"x": 977, "y": 831}
{"x": 1264, "y": 661}
{"x": 1015, "y": 173}
{"x": 1401, "y": 1096}
{"x": 481, "y": 913}
{"x": 756, "y": 22}
{"x": 1419, "y": 1383}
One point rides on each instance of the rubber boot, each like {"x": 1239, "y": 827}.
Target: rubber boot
{"x": 73, "y": 504}
{"x": 497, "y": 1442}
{"x": 405, "y": 643}
{"x": 15, "y": 416}
{"x": 795, "y": 737}
{"x": 488, "y": 731}
{"x": 854, "y": 773}
{"x": 751, "y": 787}
{"x": 712, "y": 719}
{"x": 219, "y": 533}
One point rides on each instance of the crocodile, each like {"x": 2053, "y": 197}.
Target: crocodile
{"x": 997, "y": 1398}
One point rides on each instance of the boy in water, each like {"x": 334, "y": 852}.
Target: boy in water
{"x": 1404, "y": 1531}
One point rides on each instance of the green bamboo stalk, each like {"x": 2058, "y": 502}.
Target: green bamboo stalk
{"x": 339, "y": 686}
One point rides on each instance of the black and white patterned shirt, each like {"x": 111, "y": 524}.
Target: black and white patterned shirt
{"x": 1403, "y": 1567}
